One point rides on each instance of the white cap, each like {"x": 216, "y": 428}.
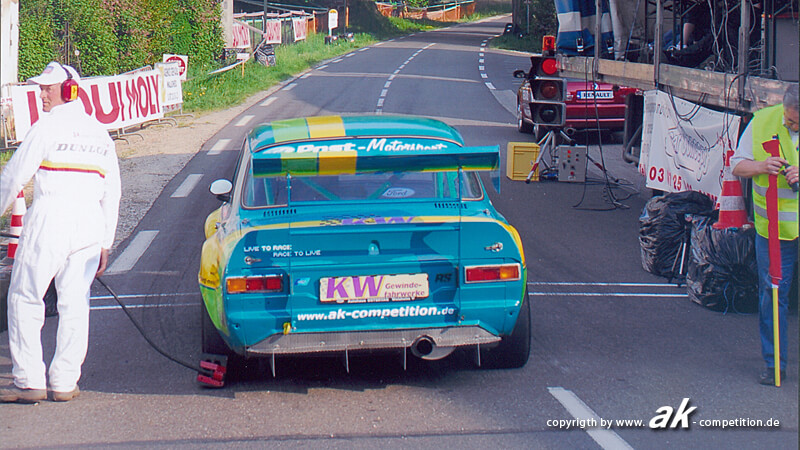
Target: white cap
{"x": 54, "y": 73}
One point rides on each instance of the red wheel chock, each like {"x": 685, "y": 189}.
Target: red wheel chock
{"x": 212, "y": 370}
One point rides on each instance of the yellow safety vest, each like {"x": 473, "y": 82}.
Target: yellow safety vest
{"x": 767, "y": 123}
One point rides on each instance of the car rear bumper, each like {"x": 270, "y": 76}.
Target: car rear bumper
{"x": 605, "y": 117}
{"x": 593, "y": 124}
{"x": 299, "y": 343}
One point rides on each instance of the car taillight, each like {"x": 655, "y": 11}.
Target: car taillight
{"x": 269, "y": 283}
{"x": 504, "y": 272}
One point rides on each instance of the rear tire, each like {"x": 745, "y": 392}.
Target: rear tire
{"x": 212, "y": 341}
{"x": 522, "y": 126}
{"x": 514, "y": 350}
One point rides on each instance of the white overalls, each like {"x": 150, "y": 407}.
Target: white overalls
{"x": 74, "y": 214}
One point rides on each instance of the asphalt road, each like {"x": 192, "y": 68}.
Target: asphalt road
{"x": 610, "y": 341}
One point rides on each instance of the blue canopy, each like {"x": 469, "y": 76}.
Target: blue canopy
{"x": 576, "y": 20}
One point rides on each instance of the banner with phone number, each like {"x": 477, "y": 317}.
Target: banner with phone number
{"x": 683, "y": 145}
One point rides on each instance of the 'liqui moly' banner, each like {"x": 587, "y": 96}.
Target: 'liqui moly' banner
{"x": 117, "y": 101}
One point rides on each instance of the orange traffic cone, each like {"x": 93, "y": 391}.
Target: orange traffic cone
{"x": 732, "y": 213}
{"x": 17, "y": 211}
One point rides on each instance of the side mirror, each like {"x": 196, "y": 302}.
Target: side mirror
{"x": 520, "y": 74}
{"x": 221, "y": 189}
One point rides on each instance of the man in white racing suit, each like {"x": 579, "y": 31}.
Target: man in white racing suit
{"x": 66, "y": 235}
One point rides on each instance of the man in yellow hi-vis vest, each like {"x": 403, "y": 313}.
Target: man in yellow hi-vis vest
{"x": 752, "y": 161}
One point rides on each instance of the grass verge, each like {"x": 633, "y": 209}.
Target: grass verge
{"x": 527, "y": 43}
{"x": 203, "y": 92}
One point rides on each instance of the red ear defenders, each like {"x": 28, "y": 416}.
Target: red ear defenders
{"x": 69, "y": 88}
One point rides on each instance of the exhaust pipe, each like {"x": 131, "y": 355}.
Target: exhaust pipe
{"x": 422, "y": 346}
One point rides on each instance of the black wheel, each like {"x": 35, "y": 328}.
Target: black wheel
{"x": 522, "y": 126}
{"x": 212, "y": 341}
{"x": 514, "y": 350}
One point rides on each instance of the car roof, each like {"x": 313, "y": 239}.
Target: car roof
{"x": 356, "y": 126}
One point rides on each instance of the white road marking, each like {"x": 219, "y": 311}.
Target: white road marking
{"x": 582, "y": 287}
{"x": 322, "y": 67}
{"x": 268, "y": 101}
{"x": 336, "y": 60}
{"x": 606, "y": 439}
{"x": 113, "y": 307}
{"x": 481, "y": 61}
{"x": 305, "y": 76}
{"x": 244, "y": 120}
{"x": 133, "y": 252}
{"x": 483, "y": 75}
{"x": 603, "y": 294}
{"x": 218, "y": 147}
{"x": 489, "y": 85}
{"x": 349, "y": 55}
{"x": 385, "y": 91}
{"x": 481, "y": 68}
{"x": 578, "y": 283}
{"x": 363, "y": 49}
{"x": 290, "y": 86}
{"x": 128, "y": 296}
{"x": 187, "y": 186}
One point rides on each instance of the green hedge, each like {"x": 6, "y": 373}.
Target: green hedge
{"x": 115, "y": 36}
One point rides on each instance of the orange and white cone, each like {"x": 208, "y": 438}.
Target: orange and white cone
{"x": 17, "y": 212}
{"x": 732, "y": 213}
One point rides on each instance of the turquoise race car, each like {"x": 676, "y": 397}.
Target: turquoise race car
{"x": 342, "y": 234}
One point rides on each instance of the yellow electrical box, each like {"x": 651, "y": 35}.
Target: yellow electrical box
{"x": 520, "y": 157}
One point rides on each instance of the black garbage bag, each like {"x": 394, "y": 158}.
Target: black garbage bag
{"x": 663, "y": 228}
{"x": 723, "y": 275}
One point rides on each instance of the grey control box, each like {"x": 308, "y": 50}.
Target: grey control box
{"x": 572, "y": 163}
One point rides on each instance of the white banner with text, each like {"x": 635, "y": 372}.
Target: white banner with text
{"x": 683, "y": 144}
{"x": 116, "y": 101}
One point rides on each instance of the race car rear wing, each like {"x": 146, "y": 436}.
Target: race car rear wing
{"x": 334, "y": 157}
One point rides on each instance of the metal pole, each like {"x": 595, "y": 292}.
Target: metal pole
{"x": 744, "y": 46}
{"x": 657, "y": 38}
{"x": 527, "y": 16}
{"x": 264, "y": 21}
{"x": 598, "y": 18}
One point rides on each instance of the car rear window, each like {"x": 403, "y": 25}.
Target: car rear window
{"x": 397, "y": 186}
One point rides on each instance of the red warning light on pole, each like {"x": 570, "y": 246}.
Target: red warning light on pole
{"x": 548, "y": 45}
